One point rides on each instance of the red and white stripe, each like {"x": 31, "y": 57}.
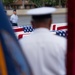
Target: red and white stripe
{"x": 19, "y": 31}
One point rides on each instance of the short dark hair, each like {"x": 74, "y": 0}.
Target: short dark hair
{"x": 14, "y": 10}
{"x": 41, "y": 18}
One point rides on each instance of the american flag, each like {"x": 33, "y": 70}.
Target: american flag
{"x": 26, "y": 30}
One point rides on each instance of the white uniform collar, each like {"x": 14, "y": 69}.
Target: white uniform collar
{"x": 41, "y": 30}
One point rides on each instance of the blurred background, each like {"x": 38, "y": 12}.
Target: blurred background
{"x": 23, "y": 5}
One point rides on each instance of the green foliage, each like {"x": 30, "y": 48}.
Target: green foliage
{"x": 37, "y": 2}
{"x": 40, "y": 2}
{"x": 7, "y": 1}
{"x": 51, "y": 2}
{"x": 63, "y": 2}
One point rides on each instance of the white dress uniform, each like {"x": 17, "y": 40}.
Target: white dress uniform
{"x": 14, "y": 19}
{"x": 45, "y": 52}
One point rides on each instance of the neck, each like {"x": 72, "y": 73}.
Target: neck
{"x": 14, "y": 14}
{"x": 42, "y": 26}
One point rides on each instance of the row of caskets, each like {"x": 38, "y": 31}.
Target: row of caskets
{"x": 26, "y": 30}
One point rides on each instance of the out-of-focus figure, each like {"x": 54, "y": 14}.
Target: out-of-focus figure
{"x": 12, "y": 60}
{"x": 45, "y": 52}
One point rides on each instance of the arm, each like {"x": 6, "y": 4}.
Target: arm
{"x": 11, "y": 19}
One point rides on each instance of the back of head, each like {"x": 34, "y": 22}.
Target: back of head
{"x": 14, "y": 11}
{"x": 41, "y": 17}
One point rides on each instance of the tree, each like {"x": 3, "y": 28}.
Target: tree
{"x": 42, "y": 2}
{"x": 37, "y": 2}
{"x": 5, "y": 2}
{"x": 63, "y": 2}
{"x": 49, "y": 2}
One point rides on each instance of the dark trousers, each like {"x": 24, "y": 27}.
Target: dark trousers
{"x": 14, "y": 24}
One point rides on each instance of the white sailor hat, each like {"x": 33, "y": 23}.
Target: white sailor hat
{"x": 41, "y": 11}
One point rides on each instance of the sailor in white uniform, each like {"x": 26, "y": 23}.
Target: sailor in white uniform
{"x": 14, "y": 19}
{"x": 45, "y": 52}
